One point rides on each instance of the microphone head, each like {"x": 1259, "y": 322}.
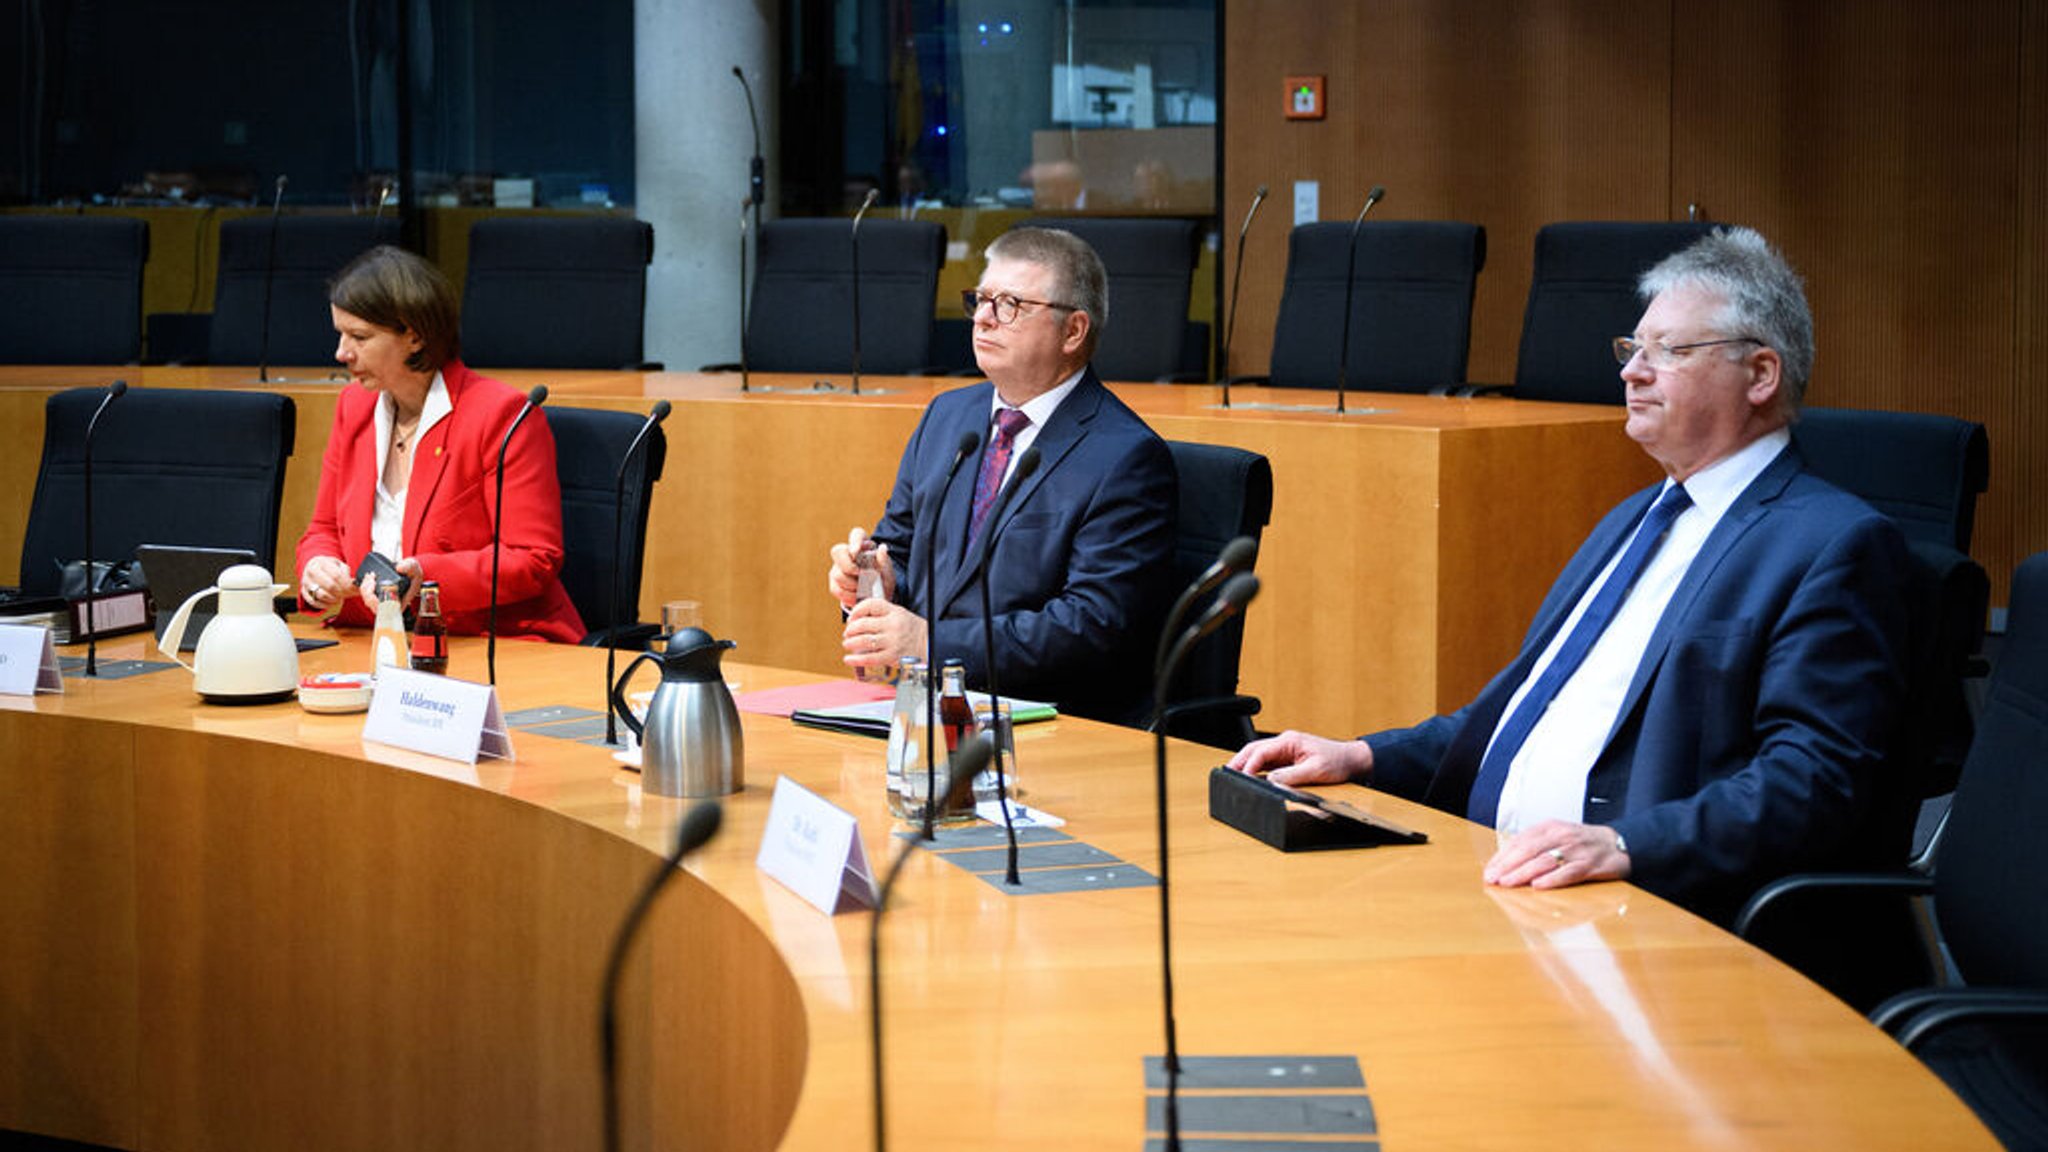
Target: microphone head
{"x": 868, "y": 201}
{"x": 282, "y": 180}
{"x": 968, "y": 762}
{"x": 969, "y": 441}
{"x": 736, "y": 71}
{"x": 1238, "y": 555}
{"x": 660, "y": 411}
{"x": 1373, "y": 197}
{"x": 1026, "y": 464}
{"x": 538, "y": 396}
{"x": 699, "y": 825}
{"x": 1259, "y": 195}
{"x": 117, "y": 388}
{"x": 1238, "y": 591}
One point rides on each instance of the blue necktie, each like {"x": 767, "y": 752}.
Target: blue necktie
{"x": 1493, "y": 771}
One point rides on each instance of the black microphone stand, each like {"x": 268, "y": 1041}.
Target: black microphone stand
{"x": 92, "y": 634}
{"x": 1236, "y": 282}
{"x": 534, "y": 399}
{"x": 866, "y": 203}
{"x": 1350, "y": 274}
{"x": 611, "y": 631}
{"x": 699, "y": 825}
{"x": 1236, "y": 593}
{"x": 968, "y": 443}
{"x": 745, "y": 372}
{"x": 1026, "y": 465}
{"x": 757, "y": 168}
{"x": 269, "y": 276}
{"x": 968, "y": 762}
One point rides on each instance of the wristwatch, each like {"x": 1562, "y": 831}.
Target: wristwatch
{"x": 1620, "y": 843}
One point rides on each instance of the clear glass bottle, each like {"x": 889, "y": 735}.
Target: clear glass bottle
{"x": 430, "y": 632}
{"x": 388, "y": 645}
{"x": 868, "y": 586}
{"x": 907, "y": 727}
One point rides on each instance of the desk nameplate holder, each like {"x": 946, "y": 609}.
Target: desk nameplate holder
{"x": 437, "y": 715}
{"x": 28, "y": 661}
{"x": 1297, "y": 821}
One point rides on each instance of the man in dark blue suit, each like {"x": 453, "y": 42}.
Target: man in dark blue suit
{"x": 1084, "y": 547}
{"x": 1706, "y": 697}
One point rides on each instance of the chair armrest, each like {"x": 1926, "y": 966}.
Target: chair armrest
{"x": 1918, "y": 1016}
{"x": 643, "y": 366}
{"x": 1469, "y": 390}
{"x": 719, "y": 368}
{"x": 1808, "y": 883}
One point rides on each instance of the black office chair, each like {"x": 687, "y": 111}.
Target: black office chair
{"x": 309, "y": 251}
{"x": 1987, "y": 1036}
{"x": 1925, "y": 472}
{"x": 1583, "y": 295}
{"x": 556, "y": 292}
{"x": 1224, "y": 493}
{"x": 1922, "y": 470}
{"x": 1151, "y": 266}
{"x": 801, "y": 318}
{"x": 1411, "y": 306}
{"x": 588, "y": 446}
{"x": 169, "y": 466}
{"x": 71, "y": 289}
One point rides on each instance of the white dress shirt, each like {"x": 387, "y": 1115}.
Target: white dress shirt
{"x": 387, "y": 520}
{"x": 1547, "y": 778}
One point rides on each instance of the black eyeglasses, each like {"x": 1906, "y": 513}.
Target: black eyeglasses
{"x": 1005, "y": 305}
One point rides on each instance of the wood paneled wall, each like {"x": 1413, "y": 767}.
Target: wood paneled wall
{"x": 1897, "y": 152}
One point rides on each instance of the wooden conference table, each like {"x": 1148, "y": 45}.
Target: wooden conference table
{"x": 1410, "y": 543}
{"x": 244, "y": 928}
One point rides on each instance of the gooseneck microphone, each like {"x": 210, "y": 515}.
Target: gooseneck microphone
{"x": 1026, "y": 465}
{"x": 1237, "y": 556}
{"x": 757, "y": 169}
{"x": 1237, "y": 592}
{"x": 746, "y": 373}
{"x": 534, "y": 399}
{"x": 866, "y": 202}
{"x": 92, "y": 635}
{"x": 383, "y": 198}
{"x": 967, "y": 763}
{"x": 1351, "y": 274}
{"x": 1237, "y": 281}
{"x": 269, "y": 276}
{"x": 611, "y": 631}
{"x": 969, "y": 441}
{"x": 699, "y": 825}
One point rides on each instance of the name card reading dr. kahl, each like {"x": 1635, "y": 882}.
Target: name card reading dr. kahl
{"x": 421, "y": 712}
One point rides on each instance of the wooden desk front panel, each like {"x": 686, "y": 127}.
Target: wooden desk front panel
{"x": 340, "y": 946}
{"x": 1409, "y": 546}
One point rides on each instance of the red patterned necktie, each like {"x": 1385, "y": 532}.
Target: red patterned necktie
{"x": 994, "y": 463}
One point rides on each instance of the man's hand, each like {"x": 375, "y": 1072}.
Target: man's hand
{"x": 879, "y": 634}
{"x": 1557, "y": 853}
{"x": 1297, "y": 758}
{"x": 842, "y": 579}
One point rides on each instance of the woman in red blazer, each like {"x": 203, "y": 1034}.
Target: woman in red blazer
{"x": 410, "y": 469}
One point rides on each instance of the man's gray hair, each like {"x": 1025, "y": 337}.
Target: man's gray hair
{"x": 1764, "y": 297}
{"x": 1078, "y": 280}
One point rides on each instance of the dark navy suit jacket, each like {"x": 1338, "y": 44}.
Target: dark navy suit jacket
{"x": 1083, "y": 551}
{"x": 1752, "y": 740}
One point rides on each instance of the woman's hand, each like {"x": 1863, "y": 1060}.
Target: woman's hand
{"x": 324, "y": 582}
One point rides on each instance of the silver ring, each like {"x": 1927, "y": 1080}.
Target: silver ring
{"x": 1557, "y": 855}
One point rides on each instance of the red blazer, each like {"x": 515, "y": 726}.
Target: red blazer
{"x": 449, "y": 504}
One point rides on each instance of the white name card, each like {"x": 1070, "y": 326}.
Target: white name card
{"x": 813, "y": 848}
{"x": 28, "y": 661}
{"x": 421, "y": 712}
